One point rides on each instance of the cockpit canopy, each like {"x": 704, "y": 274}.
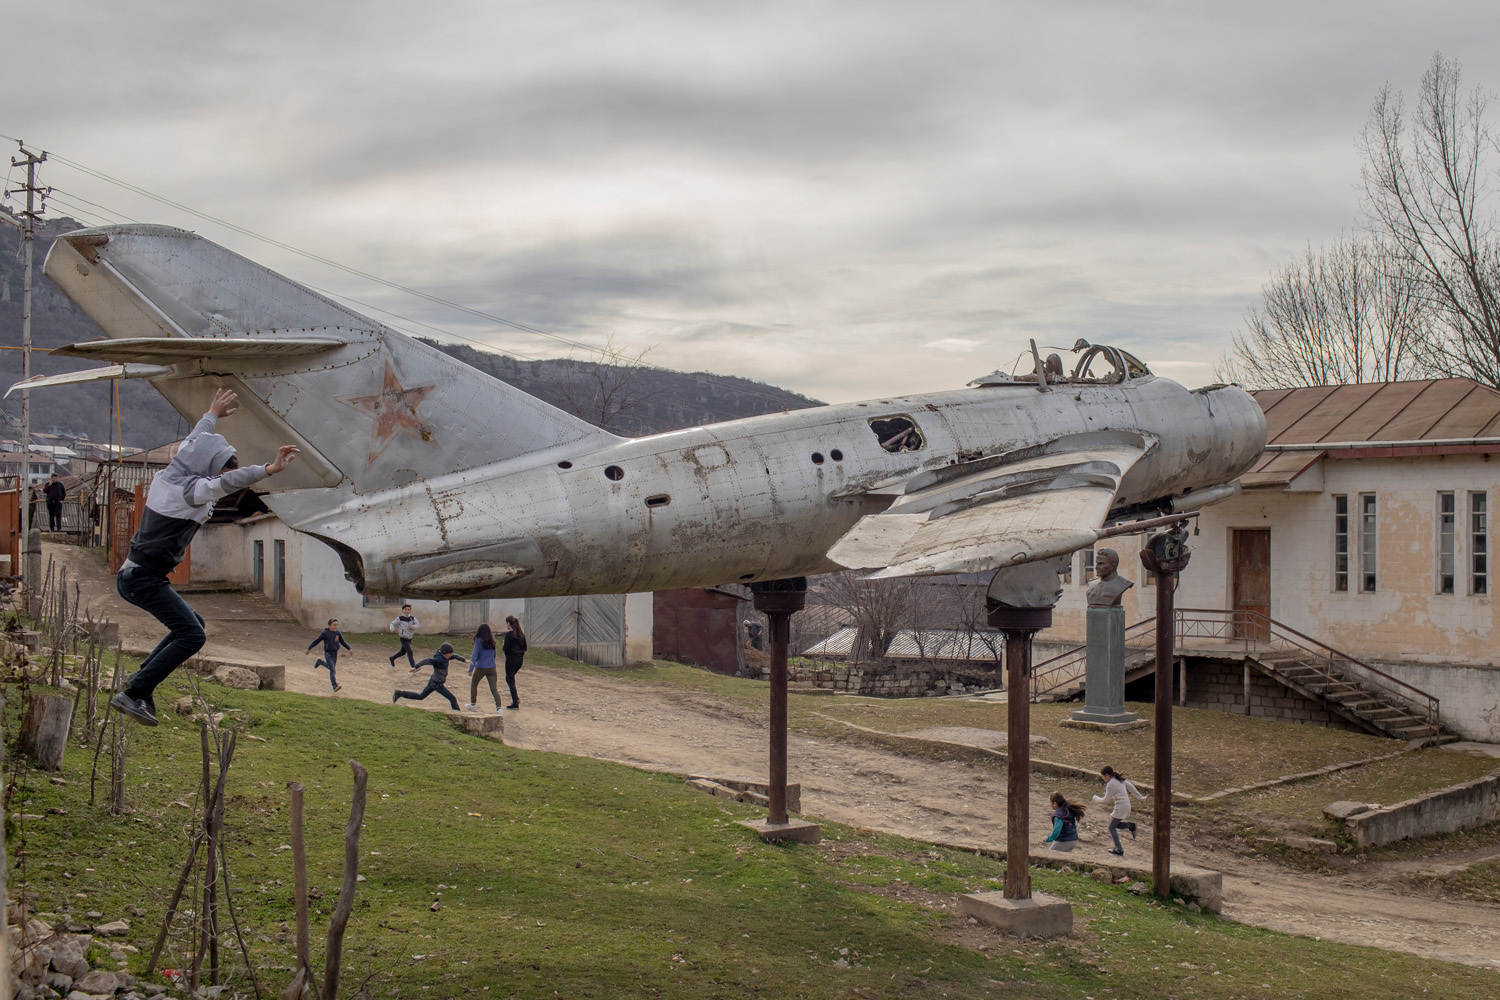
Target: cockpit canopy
{"x": 1097, "y": 364}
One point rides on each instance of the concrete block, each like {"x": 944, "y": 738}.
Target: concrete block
{"x": 795, "y": 830}
{"x": 1106, "y": 727}
{"x": 1040, "y": 916}
{"x": 272, "y": 675}
{"x": 480, "y": 723}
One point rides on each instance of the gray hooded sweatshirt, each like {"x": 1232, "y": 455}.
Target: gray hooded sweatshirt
{"x": 182, "y": 497}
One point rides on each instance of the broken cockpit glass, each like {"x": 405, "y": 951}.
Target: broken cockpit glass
{"x": 897, "y": 434}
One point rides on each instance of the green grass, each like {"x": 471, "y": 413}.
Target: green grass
{"x": 561, "y": 876}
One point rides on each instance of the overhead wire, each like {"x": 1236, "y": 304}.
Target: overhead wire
{"x": 397, "y": 286}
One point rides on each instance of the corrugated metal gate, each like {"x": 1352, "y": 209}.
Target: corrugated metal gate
{"x": 591, "y": 628}
{"x": 466, "y": 616}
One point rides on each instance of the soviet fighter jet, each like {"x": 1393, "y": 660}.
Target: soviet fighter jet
{"x": 432, "y": 480}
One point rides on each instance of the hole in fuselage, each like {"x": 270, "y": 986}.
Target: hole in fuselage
{"x": 748, "y": 576}
{"x": 817, "y": 458}
{"x": 614, "y": 473}
{"x": 660, "y": 500}
{"x": 564, "y": 465}
{"x": 897, "y": 434}
{"x": 836, "y": 455}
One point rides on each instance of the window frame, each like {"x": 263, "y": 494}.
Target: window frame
{"x": 1341, "y": 543}
{"x": 1369, "y": 543}
{"x": 1479, "y": 543}
{"x": 1445, "y": 569}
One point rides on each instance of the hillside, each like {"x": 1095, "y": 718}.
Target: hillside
{"x": 626, "y": 400}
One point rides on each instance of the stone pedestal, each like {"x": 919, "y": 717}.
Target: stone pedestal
{"x": 1104, "y": 695}
{"x": 1040, "y": 915}
{"x": 797, "y": 831}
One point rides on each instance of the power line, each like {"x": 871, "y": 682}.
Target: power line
{"x": 437, "y": 299}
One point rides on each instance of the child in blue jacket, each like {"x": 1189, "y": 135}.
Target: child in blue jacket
{"x": 438, "y": 681}
{"x": 332, "y": 639}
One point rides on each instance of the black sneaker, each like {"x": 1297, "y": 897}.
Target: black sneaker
{"x": 138, "y": 709}
{"x": 338, "y": 687}
{"x": 1132, "y": 831}
{"x": 395, "y": 697}
{"x": 1118, "y": 854}
{"x": 514, "y": 704}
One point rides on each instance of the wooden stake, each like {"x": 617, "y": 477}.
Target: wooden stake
{"x": 334, "y": 955}
{"x": 299, "y": 872}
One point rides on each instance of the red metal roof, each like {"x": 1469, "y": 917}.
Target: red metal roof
{"x": 1424, "y": 410}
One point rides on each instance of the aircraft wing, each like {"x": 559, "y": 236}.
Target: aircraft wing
{"x": 107, "y": 374}
{"x": 174, "y": 350}
{"x": 995, "y": 512}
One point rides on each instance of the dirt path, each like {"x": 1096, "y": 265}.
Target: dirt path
{"x": 666, "y": 728}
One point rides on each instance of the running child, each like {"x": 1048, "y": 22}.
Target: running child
{"x": 1065, "y": 817}
{"x": 1117, "y": 793}
{"x": 332, "y": 639}
{"x": 405, "y": 626}
{"x": 438, "y": 681}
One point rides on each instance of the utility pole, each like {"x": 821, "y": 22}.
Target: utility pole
{"x": 29, "y": 218}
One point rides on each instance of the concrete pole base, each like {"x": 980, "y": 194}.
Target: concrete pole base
{"x": 1040, "y": 916}
{"x": 1124, "y": 724}
{"x": 798, "y": 831}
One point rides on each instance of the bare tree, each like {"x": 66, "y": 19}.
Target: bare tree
{"x": 1425, "y": 181}
{"x": 881, "y": 609}
{"x": 606, "y": 388}
{"x": 1350, "y": 312}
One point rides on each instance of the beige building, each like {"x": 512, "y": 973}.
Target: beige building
{"x": 262, "y": 553}
{"x": 1365, "y": 526}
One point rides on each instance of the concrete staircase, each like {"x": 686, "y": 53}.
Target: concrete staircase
{"x": 1349, "y": 688}
{"x": 1378, "y": 712}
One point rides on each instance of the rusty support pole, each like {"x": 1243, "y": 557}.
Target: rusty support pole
{"x": 778, "y": 600}
{"x": 1019, "y": 625}
{"x": 781, "y": 626}
{"x": 1161, "y": 827}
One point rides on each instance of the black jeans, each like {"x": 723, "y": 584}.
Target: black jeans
{"x": 405, "y": 651}
{"x": 510, "y": 682}
{"x": 54, "y": 515}
{"x": 149, "y": 590}
{"x": 432, "y": 685}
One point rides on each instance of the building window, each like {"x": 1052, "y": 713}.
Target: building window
{"x": 1367, "y": 536}
{"x": 1447, "y": 523}
{"x": 1341, "y": 544}
{"x": 1086, "y": 567}
{"x": 1479, "y": 543}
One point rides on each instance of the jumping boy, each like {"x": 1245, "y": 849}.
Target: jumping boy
{"x": 181, "y": 498}
{"x": 332, "y": 639}
{"x": 405, "y": 626}
{"x": 438, "y": 681}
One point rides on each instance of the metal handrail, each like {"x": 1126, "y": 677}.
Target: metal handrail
{"x": 1049, "y": 668}
{"x": 1278, "y": 631}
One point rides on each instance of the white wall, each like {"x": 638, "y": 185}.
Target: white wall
{"x": 640, "y": 615}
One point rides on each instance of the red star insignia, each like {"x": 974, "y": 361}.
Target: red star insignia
{"x": 394, "y": 411}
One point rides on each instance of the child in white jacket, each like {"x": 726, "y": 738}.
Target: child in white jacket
{"x": 1117, "y": 793}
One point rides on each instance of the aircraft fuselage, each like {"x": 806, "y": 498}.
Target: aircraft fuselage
{"x": 753, "y": 499}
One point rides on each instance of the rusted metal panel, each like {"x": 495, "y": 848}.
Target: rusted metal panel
{"x": 700, "y": 626}
{"x": 1423, "y": 410}
{"x": 1290, "y": 409}
{"x": 1472, "y": 416}
{"x": 1332, "y": 410}
{"x": 1383, "y": 409}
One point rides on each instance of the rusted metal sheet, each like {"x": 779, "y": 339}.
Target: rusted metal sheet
{"x": 1420, "y": 414}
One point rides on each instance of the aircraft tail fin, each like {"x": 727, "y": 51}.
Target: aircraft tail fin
{"x": 369, "y": 406}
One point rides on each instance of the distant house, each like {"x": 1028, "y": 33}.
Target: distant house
{"x": 1365, "y": 526}
{"x": 257, "y": 550}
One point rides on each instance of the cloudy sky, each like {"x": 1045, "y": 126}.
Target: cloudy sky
{"x": 845, "y": 198}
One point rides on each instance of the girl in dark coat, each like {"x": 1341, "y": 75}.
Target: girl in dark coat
{"x": 515, "y": 648}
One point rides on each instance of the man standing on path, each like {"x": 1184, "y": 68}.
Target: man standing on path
{"x": 181, "y": 498}
{"x": 56, "y": 493}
